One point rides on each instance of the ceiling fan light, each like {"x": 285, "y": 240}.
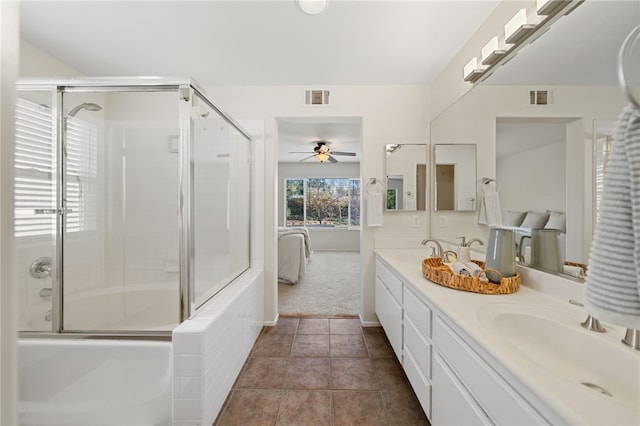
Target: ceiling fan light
{"x": 321, "y": 157}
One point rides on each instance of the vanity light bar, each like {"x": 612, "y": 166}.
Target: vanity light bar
{"x": 550, "y": 7}
{"x": 518, "y": 28}
{"x": 491, "y": 52}
{"x": 472, "y": 71}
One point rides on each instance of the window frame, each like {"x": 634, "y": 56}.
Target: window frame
{"x": 305, "y": 183}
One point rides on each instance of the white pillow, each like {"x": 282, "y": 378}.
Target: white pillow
{"x": 513, "y": 218}
{"x": 557, "y": 220}
{"x": 535, "y": 220}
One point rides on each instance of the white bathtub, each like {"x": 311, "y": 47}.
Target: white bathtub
{"x": 94, "y": 382}
{"x": 153, "y": 306}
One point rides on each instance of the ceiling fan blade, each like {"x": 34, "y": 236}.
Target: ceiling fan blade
{"x": 298, "y": 152}
{"x": 351, "y": 154}
{"x": 306, "y": 158}
{"x": 332, "y": 159}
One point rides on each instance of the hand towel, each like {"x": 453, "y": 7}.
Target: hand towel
{"x": 612, "y": 287}
{"x": 409, "y": 202}
{"x": 490, "y": 211}
{"x": 374, "y": 209}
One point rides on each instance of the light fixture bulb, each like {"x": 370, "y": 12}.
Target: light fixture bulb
{"x": 321, "y": 157}
{"x": 312, "y": 7}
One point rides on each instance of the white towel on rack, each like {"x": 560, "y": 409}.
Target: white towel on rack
{"x": 374, "y": 209}
{"x": 490, "y": 211}
{"x": 612, "y": 287}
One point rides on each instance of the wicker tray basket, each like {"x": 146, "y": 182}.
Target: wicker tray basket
{"x": 434, "y": 270}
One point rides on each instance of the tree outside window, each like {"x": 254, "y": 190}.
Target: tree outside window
{"x": 323, "y": 202}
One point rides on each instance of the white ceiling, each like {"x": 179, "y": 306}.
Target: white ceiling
{"x": 267, "y": 42}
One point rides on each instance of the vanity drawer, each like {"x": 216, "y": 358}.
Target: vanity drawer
{"x": 419, "y": 313}
{"x": 419, "y": 347}
{"x": 420, "y": 384}
{"x": 501, "y": 403}
{"x": 390, "y": 281}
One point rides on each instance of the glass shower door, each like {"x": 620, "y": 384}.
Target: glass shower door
{"x": 35, "y": 207}
{"x": 120, "y": 233}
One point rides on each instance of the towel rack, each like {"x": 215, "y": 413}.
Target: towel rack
{"x": 486, "y": 181}
{"x": 629, "y": 54}
{"x": 374, "y": 186}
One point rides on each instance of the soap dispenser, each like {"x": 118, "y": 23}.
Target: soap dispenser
{"x": 464, "y": 252}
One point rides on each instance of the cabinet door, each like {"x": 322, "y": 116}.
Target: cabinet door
{"x": 389, "y": 313}
{"x": 451, "y": 404}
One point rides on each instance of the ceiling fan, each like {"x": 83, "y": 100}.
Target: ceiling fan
{"x": 322, "y": 152}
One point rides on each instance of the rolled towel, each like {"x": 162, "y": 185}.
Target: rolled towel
{"x": 574, "y": 271}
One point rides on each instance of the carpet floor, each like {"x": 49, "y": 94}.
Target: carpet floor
{"x": 329, "y": 287}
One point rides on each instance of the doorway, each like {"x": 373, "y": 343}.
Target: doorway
{"x": 318, "y": 221}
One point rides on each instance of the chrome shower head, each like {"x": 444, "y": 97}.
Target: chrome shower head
{"x": 87, "y": 105}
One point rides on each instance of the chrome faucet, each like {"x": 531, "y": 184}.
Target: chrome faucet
{"x": 591, "y": 323}
{"x": 437, "y": 244}
{"x": 465, "y": 243}
{"x": 474, "y": 240}
{"x": 632, "y": 339}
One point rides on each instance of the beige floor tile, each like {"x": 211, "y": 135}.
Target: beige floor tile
{"x": 358, "y": 408}
{"x": 345, "y": 326}
{"x": 353, "y": 373}
{"x": 313, "y": 326}
{"x": 251, "y": 408}
{"x": 308, "y": 373}
{"x": 303, "y": 407}
{"x": 348, "y": 345}
{"x": 313, "y": 345}
{"x": 263, "y": 373}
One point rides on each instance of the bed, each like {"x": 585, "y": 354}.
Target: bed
{"x": 294, "y": 251}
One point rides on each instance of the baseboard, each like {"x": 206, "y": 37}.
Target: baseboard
{"x": 271, "y": 323}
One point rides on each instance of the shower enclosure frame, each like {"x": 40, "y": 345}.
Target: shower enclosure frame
{"x": 187, "y": 90}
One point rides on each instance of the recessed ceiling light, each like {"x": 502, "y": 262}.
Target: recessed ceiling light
{"x": 312, "y": 7}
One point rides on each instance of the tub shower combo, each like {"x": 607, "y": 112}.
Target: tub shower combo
{"x": 131, "y": 211}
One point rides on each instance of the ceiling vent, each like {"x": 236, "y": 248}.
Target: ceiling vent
{"x": 540, "y": 97}
{"x": 316, "y": 97}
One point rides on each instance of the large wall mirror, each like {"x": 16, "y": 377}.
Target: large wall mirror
{"x": 543, "y": 123}
{"x": 455, "y": 177}
{"x": 406, "y": 177}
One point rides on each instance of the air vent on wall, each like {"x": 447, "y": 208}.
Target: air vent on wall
{"x": 540, "y": 97}
{"x": 316, "y": 97}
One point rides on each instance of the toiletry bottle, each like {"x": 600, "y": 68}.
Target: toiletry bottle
{"x": 464, "y": 252}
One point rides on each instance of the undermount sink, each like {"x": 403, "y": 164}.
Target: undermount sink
{"x": 554, "y": 341}
{"x": 412, "y": 257}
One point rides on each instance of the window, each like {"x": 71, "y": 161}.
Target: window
{"x": 323, "y": 202}
{"x": 35, "y": 173}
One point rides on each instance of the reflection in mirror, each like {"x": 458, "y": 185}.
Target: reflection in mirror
{"x": 556, "y": 94}
{"x": 406, "y": 177}
{"x": 455, "y": 177}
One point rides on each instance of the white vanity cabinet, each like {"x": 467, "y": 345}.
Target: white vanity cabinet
{"x": 388, "y": 304}
{"x": 453, "y": 381}
{"x": 467, "y": 390}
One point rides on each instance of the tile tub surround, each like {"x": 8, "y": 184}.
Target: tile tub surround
{"x": 321, "y": 371}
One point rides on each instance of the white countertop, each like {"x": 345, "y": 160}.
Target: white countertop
{"x": 571, "y": 402}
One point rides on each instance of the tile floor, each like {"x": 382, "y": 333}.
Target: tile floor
{"x": 321, "y": 371}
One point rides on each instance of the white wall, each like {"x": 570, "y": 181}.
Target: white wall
{"x": 533, "y": 179}
{"x": 9, "y": 42}
{"x": 321, "y": 239}
{"x": 390, "y": 114}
